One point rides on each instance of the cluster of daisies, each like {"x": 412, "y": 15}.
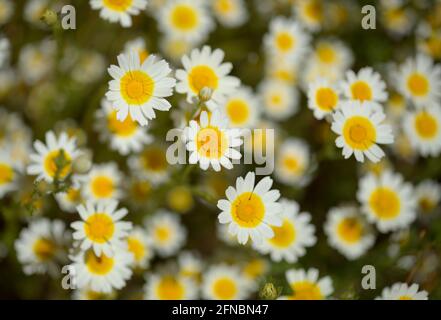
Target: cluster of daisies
{"x": 106, "y": 243}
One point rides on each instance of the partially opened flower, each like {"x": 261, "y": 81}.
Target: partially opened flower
{"x": 251, "y": 210}
{"x": 360, "y": 130}
{"x": 210, "y": 142}
{"x": 139, "y": 88}
{"x": 205, "y": 69}
{"x": 119, "y": 10}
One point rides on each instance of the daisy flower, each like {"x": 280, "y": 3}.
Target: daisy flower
{"x": 428, "y": 196}
{"x": 169, "y": 287}
{"x": 205, "y": 69}
{"x": 102, "y": 182}
{"x": 293, "y": 163}
{"x": 347, "y": 232}
{"x": 151, "y": 164}
{"x": 387, "y": 201}
{"x": 230, "y": 13}
{"x": 35, "y": 61}
{"x": 402, "y": 291}
{"x": 139, "y": 88}
{"x": 140, "y": 245}
{"x": 8, "y": 173}
{"x": 242, "y": 108}
{"x": 360, "y": 130}
{"x": 395, "y": 106}
{"x": 102, "y": 273}
{"x": 54, "y": 159}
{"x": 69, "y": 200}
{"x": 41, "y": 245}
{"x": 190, "y": 265}
{"x": 167, "y": 233}
{"x": 186, "y": 19}
{"x": 311, "y": 13}
{"x": 174, "y": 47}
{"x": 210, "y": 142}
{"x": 286, "y": 39}
{"x": 124, "y": 136}
{"x": 323, "y": 98}
{"x": 249, "y": 210}
{"x": 223, "y": 282}
{"x": 282, "y": 70}
{"x": 292, "y": 238}
{"x": 34, "y": 10}
{"x": 101, "y": 227}
{"x": 397, "y": 19}
{"x": 254, "y": 270}
{"x": 423, "y": 128}
{"x": 332, "y": 54}
{"x": 139, "y": 46}
{"x": 280, "y": 101}
{"x": 419, "y": 80}
{"x": 180, "y": 199}
{"x": 119, "y": 10}
{"x": 306, "y": 285}
{"x": 6, "y": 11}
{"x": 366, "y": 85}
{"x": 86, "y": 293}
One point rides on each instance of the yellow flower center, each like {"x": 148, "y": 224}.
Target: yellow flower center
{"x": 275, "y": 100}
{"x": 255, "y": 268}
{"x": 225, "y": 289}
{"x": 136, "y": 247}
{"x": 285, "y": 42}
{"x": 99, "y": 227}
{"x": 162, "y": 234}
{"x": 137, "y": 87}
{"x": 73, "y": 195}
{"x": 184, "y": 17}
{"x": 170, "y": 288}
{"x": 101, "y": 265}
{"x": 102, "y": 187}
{"x": 124, "y": 128}
{"x": 202, "y": 77}
{"x": 306, "y": 290}
{"x": 405, "y": 298}
{"x": 62, "y": 168}
{"x": 326, "y": 53}
{"x": 359, "y": 133}
{"x": 118, "y": 5}
{"x": 427, "y": 205}
{"x": 314, "y": 10}
{"x": 44, "y": 249}
{"x": 211, "y": 142}
{"x": 140, "y": 190}
{"x": 292, "y": 164}
{"x": 238, "y": 111}
{"x": 361, "y": 91}
{"x": 224, "y": 6}
{"x": 426, "y": 125}
{"x": 6, "y": 174}
{"x": 143, "y": 54}
{"x": 154, "y": 159}
{"x": 180, "y": 199}
{"x": 284, "y": 236}
{"x": 418, "y": 84}
{"x": 385, "y": 203}
{"x": 350, "y": 230}
{"x": 326, "y": 99}
{"x": 248, "y": 210}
